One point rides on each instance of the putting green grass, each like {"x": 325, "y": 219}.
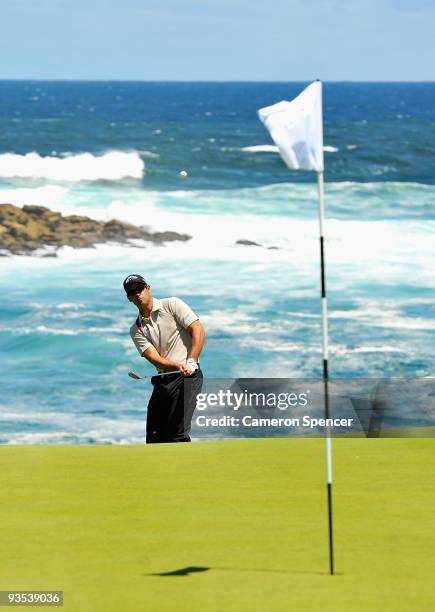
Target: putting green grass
{"x": 102, "y": 522}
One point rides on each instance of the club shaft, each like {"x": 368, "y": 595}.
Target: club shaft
{"x": 160, "y": 374}
{"x": 166, "y": 373}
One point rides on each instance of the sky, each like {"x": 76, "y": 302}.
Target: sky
{"x": 218, "y": 40}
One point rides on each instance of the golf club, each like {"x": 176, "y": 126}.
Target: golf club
{"x": 137, "y": 377}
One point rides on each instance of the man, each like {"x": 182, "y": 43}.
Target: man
{"x": 169, "y": 335}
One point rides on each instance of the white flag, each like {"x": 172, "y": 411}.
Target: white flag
{"x": 296, "y": 128}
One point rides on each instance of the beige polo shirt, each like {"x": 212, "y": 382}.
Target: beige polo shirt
{"x": 165, "y": 329}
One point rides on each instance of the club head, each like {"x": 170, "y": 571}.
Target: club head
{"x": 133, "y": 375}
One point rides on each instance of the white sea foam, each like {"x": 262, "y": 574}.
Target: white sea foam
{"x": 72, "y": 437}
{"x": 261, "y": 149}
{"x": 149, "y": 154}
{"x": 112, "y": 166}
{"x": 43, "y": 329}
{"x": 275, "y": 346}
{"x": 384, "y": 250}
{"x": 26, "y": 330}
{"x": 69, "y": 305}
{"x": 40, "y": 306}
{"x": 89, "y": 428}
{"x": 50, "y": 196}
{"x": 130, "y": 433}
{"x": 339, "y": 349}
{"x": 384, "y": 314}
{"x": 25, "y": 414}
{"x": 268, "y": 148}
{"x": 379, "y": 251}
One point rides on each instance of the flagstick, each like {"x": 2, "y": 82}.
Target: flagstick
{"x": 325, "y": 369}
{"x": 288, "y": 126}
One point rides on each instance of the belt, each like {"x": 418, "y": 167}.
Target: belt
{"x": 166, "y": 376}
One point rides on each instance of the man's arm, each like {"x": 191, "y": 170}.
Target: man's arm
{"x": 197, "y": 333}
{"x": 161, "y": 363}
{"x": 185, "y": 317}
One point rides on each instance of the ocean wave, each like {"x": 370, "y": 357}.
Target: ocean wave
{"x": 71, "y": 437}
{"x": 369, "y": 201}
{"x": 112, "y": 166}
{"x": 62, "y": 427}
{"x": 382, "y": 230}
{"x": 56, "y": 331}
{"x": 388, "y": 250}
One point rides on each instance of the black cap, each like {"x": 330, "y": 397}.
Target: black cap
{"x": 134, "y": 283}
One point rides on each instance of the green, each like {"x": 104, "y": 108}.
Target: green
{"x": 101, "y": 522}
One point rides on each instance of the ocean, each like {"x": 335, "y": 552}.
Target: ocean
{"x": 116, "y": 150}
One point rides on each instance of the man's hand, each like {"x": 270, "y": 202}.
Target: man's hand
{"x": 192, "y": 364}
{"x": 188, "y": 368}
{"x": 184, "y": 369}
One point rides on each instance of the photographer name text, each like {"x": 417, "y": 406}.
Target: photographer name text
{"x": 250, "y": 421}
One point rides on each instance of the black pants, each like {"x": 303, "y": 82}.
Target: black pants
{"x": 171, "y": 407}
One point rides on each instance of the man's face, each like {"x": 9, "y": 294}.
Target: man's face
{"x": 141, "y": 297}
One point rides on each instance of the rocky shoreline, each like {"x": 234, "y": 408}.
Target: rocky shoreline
{"x": 27, "y": 229}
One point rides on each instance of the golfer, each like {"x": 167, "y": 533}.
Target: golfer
{"x": 170, "y": 336}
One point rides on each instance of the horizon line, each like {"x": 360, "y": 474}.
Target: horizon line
{"x": 121, "y": 80}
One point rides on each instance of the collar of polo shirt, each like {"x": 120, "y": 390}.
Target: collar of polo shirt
{"x": 156, "y": 306}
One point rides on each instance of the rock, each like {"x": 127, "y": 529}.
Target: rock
{"x": 252, "y": 243}
{"x": 248, "y": 243}
{"x": 169, "y": 237}
{"x": 23, "y": 230}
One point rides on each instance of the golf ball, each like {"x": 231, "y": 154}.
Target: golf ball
{"x": 183, "y": 173}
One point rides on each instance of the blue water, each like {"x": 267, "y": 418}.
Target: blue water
{"x": 64, "y": 321}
